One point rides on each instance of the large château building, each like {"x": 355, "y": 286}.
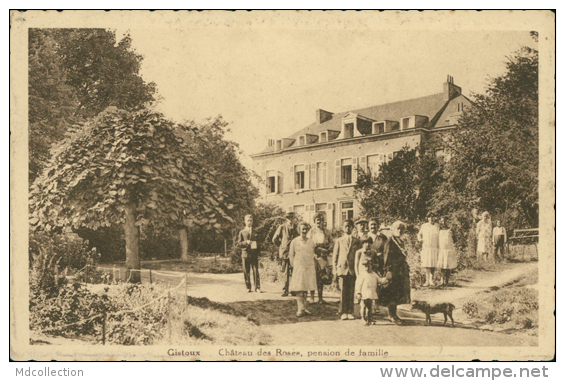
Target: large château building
{"x": 315, "y": 169}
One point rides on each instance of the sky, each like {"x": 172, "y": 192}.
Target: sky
{"x": 268, "y": 83}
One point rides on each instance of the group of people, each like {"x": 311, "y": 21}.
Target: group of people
{"x": 438, "y": 250}
{"x": 487, "y": 235}
{"x": 368, "y": 266}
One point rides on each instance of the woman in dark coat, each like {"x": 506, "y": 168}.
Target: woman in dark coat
{"x": 392, "y": 265}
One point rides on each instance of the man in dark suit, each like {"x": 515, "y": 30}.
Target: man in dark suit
{"x": 283, "y": 236}
{"x": 344, "y": 268}
{"x": 249, "y": 244}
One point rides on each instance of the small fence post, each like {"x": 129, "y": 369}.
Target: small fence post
{"x": 225, "y": 247}
{"x": 186, "y": 288}
{"x": 169, "y": 317}
{"x": 150, "y": 277}
{"x": 104, "y": 327}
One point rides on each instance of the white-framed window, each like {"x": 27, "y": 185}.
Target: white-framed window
{"x": 299, "y": 177}
{"x": 299, "y": 210}
{"x": 302, "y": 140}
{"x": 379, "y": 128}
{"x": 279, "y": 145}
{"x": 348, "y": 130}
{"x": 405, "y": 123}
{"x": 323, "y": 137}
{"x": 321, "y": 174}
{"x": 374, "y": 164}
{"x": 346, "y": 171}
{"x": 346, "y": 211}
{"x": 273, "y": 182}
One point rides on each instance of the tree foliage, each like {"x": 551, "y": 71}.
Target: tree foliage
{"x": 404, "y": 187}
{"x": 51, "y": 100}
{"x": 75, "y": 74}
{"x": 495, "y": 149}
{"x": 120, "y": 158}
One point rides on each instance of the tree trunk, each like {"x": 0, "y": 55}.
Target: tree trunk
{"x": 132, "y": 245}
{"x": 183, "y": 237}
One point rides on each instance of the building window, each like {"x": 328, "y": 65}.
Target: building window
{"x": 379, "y": 128}
{"x": 279, "y": 145}
{"x": 405, "y": 123}
{"x": 321, "y": 175}
{"x": 374, "y": 164}
{"x": 348, "y": 130}
{"x": 271, "y": 185}
{"x": 346, "y": 171}
{"x": 346, "y": 211}
{"x": 299, "y": 210}
{"x": 323, "y": 137}
{"x": 299, "y": 177}
{"x": 301, "y": 141}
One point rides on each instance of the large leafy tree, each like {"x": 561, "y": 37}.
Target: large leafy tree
{"x": 51, "y": 100}
{"x": 234, "y": 180}
{"x": 74, "y": 74}
{"x": 495, "y": 151}
{"x": 403, "y": 188}
{"x": 127, "y": 168}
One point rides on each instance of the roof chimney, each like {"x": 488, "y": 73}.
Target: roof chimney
{"x": 323, "y": 116}
{"x": 450, "y": 90}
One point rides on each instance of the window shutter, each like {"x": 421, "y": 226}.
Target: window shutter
{"x": 337, "y": 179}
{"x": 291, "y": 180}
{"x": 279, "y": 182}
{"x": 354, "y": 170}
{"x": 307, "y": 176}
{"x": 264, "y": 178}
{"x": 364, "y": 163}
{"x": 313, "y": 176}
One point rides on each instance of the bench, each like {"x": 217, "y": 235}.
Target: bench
{"x": 524, "y": 236}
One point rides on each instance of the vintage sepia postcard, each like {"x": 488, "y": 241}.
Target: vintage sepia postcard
{"x": 282, "y": 185}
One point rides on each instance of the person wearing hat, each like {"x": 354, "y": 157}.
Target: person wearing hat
{"x": 393, "y": 267}
{"x": 429, "y": 236}
{"x": 282, "y": 238}
{"x": 361, "y": 228}
{"x": 322, "y": 247}
{"x": 366, "y": 285}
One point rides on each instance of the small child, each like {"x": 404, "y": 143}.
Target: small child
{"x": 366, "y": 287}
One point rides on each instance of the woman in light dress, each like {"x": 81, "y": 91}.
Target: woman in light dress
{"x": 484, "y": 236}
{"x": 447, "y": 260}
{"x": 322, "y": 241}
{"x": 302, "y": 259}
{"x": 429, "y": 236}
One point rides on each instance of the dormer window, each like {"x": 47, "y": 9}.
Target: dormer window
{"x": 323, "y": 137}
{"x": 302, "y": 140}
{"x": 279, "y": 145}
{"x": 379, "y": 128}
{"x": 405, "y": 123}
{"x": 348, "y": 130}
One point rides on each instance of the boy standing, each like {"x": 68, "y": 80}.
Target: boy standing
{"x": 249, "y": 245}
{"x": 344, "y": 268}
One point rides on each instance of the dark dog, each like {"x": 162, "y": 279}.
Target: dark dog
{"x": 445, "y": 308}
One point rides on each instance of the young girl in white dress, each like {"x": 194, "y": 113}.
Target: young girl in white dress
{"x": 429, "y": 236}
{"x": 447, "y": 258}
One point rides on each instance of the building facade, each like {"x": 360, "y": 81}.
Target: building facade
{"x": 315, "y": 169}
